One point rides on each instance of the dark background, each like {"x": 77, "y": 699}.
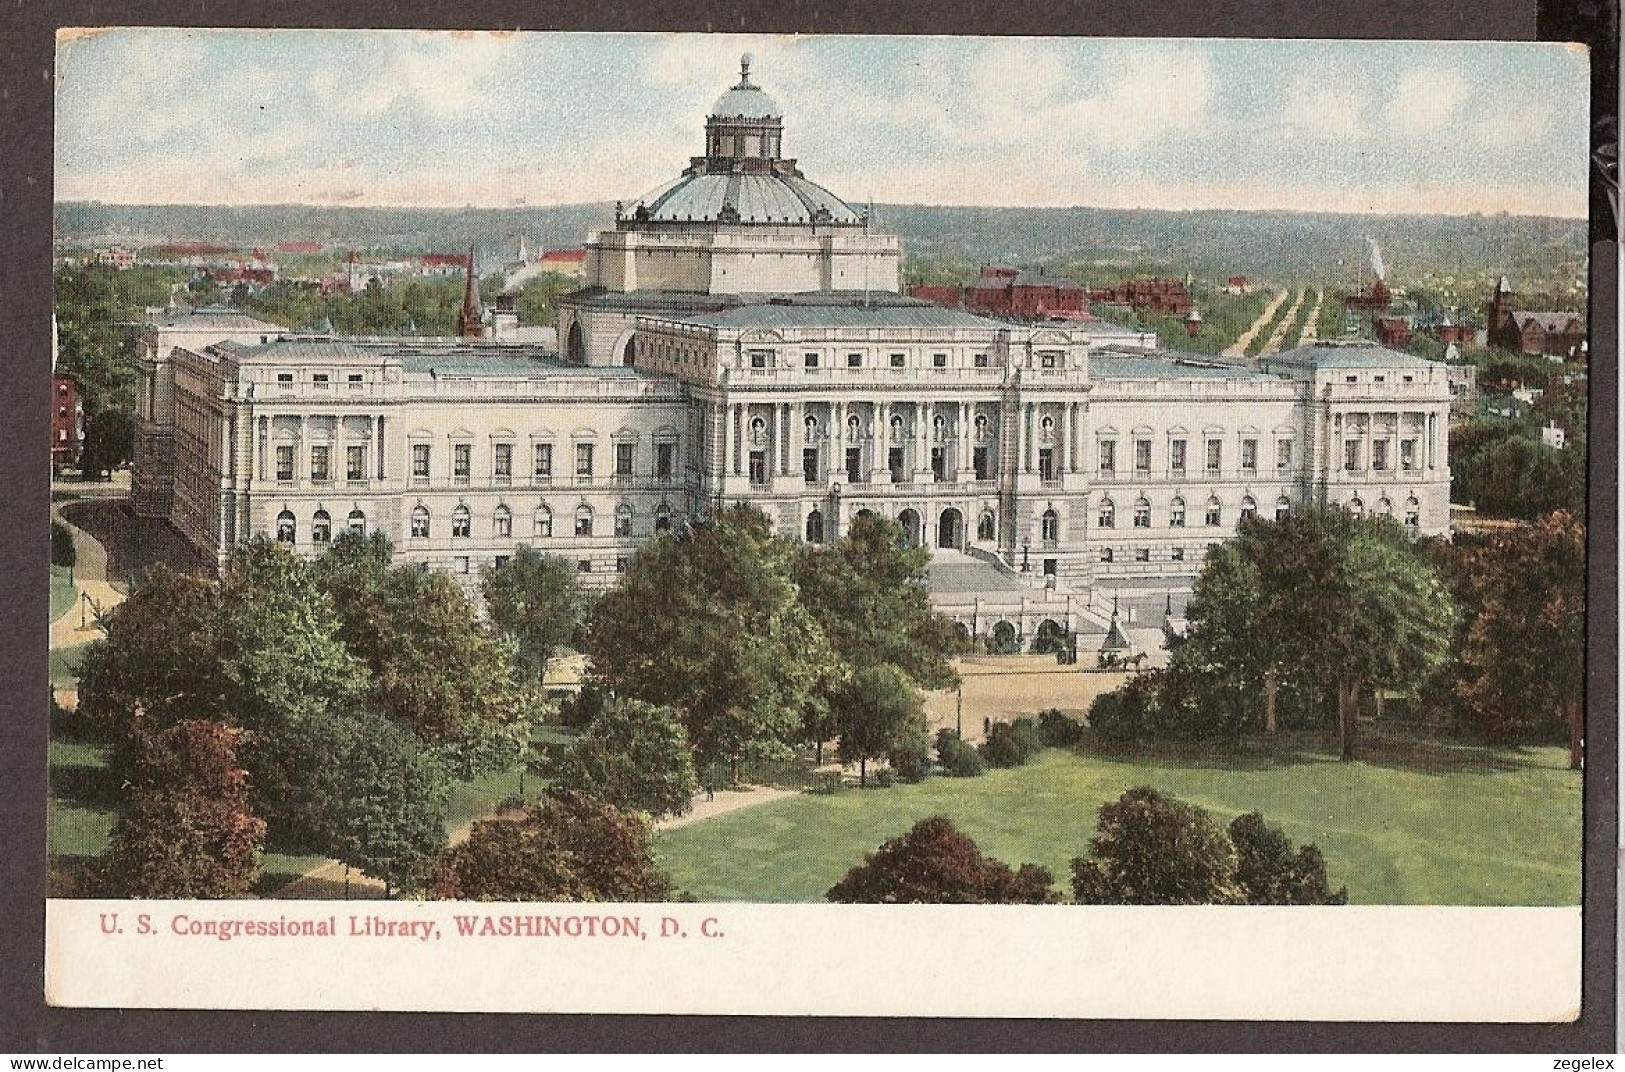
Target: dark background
{"x": 27, "y": 38}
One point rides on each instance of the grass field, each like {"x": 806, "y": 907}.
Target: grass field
{"x": 1461, "y": 827}
{"x": 63, "y": 592}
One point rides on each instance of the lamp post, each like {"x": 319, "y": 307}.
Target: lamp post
{"x": 959, "y": 709}
{"x": 1025, "y": 568}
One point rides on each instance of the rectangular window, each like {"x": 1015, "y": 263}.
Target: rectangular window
{"x": 1215, "y": 455}
{"x": 939, "y": 464}
{"x": 1050, "y": 566}
{"x": 462, "y": 462}
{"x": 1177, "y": 554}
{"x": 854, "y": 360}
{"x": 939, "y": 360}
{"x": 623, "y": 459}
{"x": 1049, "y": 359}
{"x": 354, "y": 380}
{"x": 319, "y": 464}
{"x": 1351, "y": 379}
{"x": 810, "y": 359}
{"x": 894, "y": 462}
{"x": 1249, "y": 454}
{"x": 584, "y": 566}
{"x": 1214, "y": 514}
{"x": 1046, "y": 464}
{"x": 321, "y": 531}
{"x": 544, "y": 461}
{"x": 319, "y": 380}
{"x": 979, "y": 361}
{"x": 1283, "y": 454}
{"x": 502, "y": 560}
{"x": 355, "y": 463}
{"x": 420, "y": 461}
{"x": 502, "y": 462}
{"x": 758, "y": 467}
{"x": 1351, "y": 455}
{"x": 1142, "y": 455}
{"x": 1379, "y": 455}
{"x": 1407, "y": 454}
{"x": 897, "y": 360}
{"x": 542, "y": 526}
{"x": 584, "y": 460}
{"x": 809, "y": 464}
{"x": 981, "y": 459}
{"x": 665, "y": 460}
{"x": 284, "y": 463}
{"x": 1142, "y": 554}
{"x": 503, "y": 524}
{"x": 1176, "y": 455}
{"x": 1108, "y": 456}
{"x": 462, "y": 563}
{"x": 854, "y": 459}
{"x": 758, "y": 359}
{"x": 284, "y": 380}
{"x": 621, "y": 564}
{"x": 1176, "y": 514}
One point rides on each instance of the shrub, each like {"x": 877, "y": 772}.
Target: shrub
{"x": 936, "y": 864}
{"x": 884, "y": 778}
{"x": 910, "y": 754}
{"x": 958, "y": 756}
{"x": 1056, "y": 730}
{"x": 1269, "y": 873}
{"x": 577, "y": 712}
{"x": 1156, "y": 850}
{"x": 1011, "y": 744}
{"x": 826, "y": 782}
{"x": 62, "y": 549}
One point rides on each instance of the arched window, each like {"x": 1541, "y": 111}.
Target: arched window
{"x": 815, "y": 527}
{"x": 542, "y": 526}
{"x": 1385, "y": 508}
{"x": 1413, "y": 516}
{"x": 1283, "y": 508}
{"x": 758, "y": 429}
{"x": 1176, "y": 513}
{"x": 576, "y": 345}
{"x": 1215, "y": 513}
{"x": 1142, "y": 514}
{"x": 502, "y": 523}
{"x": 852, "y": 426}
{"x": 1105, "y": 554}
{"x": 623, "y": 520}
{"x": 321, "y": 527}
{"x": 461, "y": 526}
{"x": 357, "y": 522}
{"x": 284, "y": 527}
{"x": 420, "y": 521}
{"x": 1249, "y": 508}
{"x": 1050, "y": 526}
{"x": 662, "y": 518}
{"x": 1108, "y": 515}
{"x": 1356, "y": 507}
{"x": 984, "y": 526}
{"x": 812, "y": 427}
{"x": 584, "y": 520}
{"x": 981, "y": 426}
{"x": 1047, "y": 424}
{"x": 896, "y": 426}
{"x": 937, "y": 425}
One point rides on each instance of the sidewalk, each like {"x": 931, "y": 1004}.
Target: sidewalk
{"x": 90, "y": 578}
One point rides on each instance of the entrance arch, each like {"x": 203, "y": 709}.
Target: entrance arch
{"x": 950, "y": 528}
{"x": 576, "y": 351}
{"x": 910, "y": 520}
{"x": 1049, "y": 638}
{"x": 1004, "y": 639}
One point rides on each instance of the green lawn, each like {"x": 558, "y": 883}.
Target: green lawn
{"x": 1460, "y": 826}
{"x": 63, "y": 592}
{"x": 65, "y": 666}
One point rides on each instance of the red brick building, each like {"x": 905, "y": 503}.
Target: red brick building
{"x": 949, "y": 297}
{"x": 1168, "y": 296}
{"x": 1375, "y": 297}
{"x": 1558, "y": 334}
{"x": 67, "y": 422}
{"x": 1015, "y": 292}
{"x": 1392, "y": 331}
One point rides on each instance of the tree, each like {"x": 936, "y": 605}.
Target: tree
{"x": 1269, "y": 873}
{"x": 535, "y": 601}
{"x": 936, "y": 864}
{"x": 567, "y": 847}
{"x": 187, "y": 831}
{"x": 1011, "y": 744}
{"x": 868, "y": 593}
{"x": 386, "y": 815}
{"x": 1522, "y": 672}
{"x": 958, "y": 756}
{"x": 634, "y": 756}
{"x": 1152, "y": 849}
{"x": 63, "y": 551}
{"x": 874, "y": 710}
{"x": 1342, "y": 603}
{"x": 109, "y": 443}
{"x": 434, "y": 668}
{"x": 709, "y": 623}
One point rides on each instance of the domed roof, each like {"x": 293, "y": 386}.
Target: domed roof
{"x": 698, "y": 198}
{"x": 745, "y": 101}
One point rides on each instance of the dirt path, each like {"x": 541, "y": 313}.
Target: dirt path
{"x": 1267, "y": 317}
{"x": 727, "y": 800}
{"x": 1279, "y": 335}
{"x": 1311, "y": 327}
{"x": 78, "y": 625}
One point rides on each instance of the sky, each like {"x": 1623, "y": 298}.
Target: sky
{"x": 391, "y": 118}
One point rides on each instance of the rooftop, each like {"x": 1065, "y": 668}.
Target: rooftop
{"x": 1340, "y": 355}
{"x": 907, "y": 313}
{"x": 217, "y": 318}
{"x": 1162, "y": 365}
{"x": 431, "y": 357}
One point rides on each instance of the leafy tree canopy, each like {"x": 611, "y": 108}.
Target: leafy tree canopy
{"x": 536, "y": 601}
{"x": 634, "y": 756}
{"x": 936, "y": 864}
{"x": 1155, "y": 850}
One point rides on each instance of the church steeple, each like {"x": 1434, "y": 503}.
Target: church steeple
{"x": 470, "y": 320}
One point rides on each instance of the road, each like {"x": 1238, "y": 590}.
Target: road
{"x": 1239, "y": 347}
{"x": 1278, "y": 336}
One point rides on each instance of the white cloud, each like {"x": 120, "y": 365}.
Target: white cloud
{"x": 1425, "y": 99}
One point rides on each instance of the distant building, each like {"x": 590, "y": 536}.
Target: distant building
{"x": 1463, "y": 381}
{"x": 67, "y": 422}
{"x": 116, "y": 257}
{"x": 1014, "y": 292}
{"x": 447, "y": 265}
{"x": 571, "y": 262}
{"x": 949, "y": 297}
{"x": 1236, "y": 284}
{"x": 1157, "y": 295}
{"x": 1393, "y": 332}
{"x": 1552, "y": 436}
{"x": 1375, "y": 297}
{"x": 1557, "y": 334}
{"x": 1449, "y": 331}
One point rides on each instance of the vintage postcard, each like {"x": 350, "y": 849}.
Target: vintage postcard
{"x": 818, "y": 525}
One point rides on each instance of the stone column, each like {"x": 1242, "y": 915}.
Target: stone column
{"x": 1032, "y": 437}
{"x": 378, "y": 448}
{"x": 740, "y": 425}
{"x": 262, "y": 445}
{"x": 964, "y": 445}
{"x": 879, "y": 441}
{"x": 837, "y": 438}
{"x": 1063, "y": 443}
{"x": 798, "y": 434}
{"x": 922, "y": 437}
